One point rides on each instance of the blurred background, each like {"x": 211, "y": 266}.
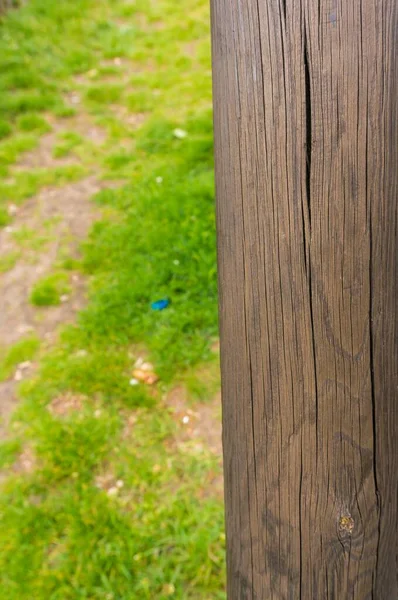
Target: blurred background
{"x": 110, "y": 450}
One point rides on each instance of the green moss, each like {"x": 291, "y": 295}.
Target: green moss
{"x": 105, "y": 93}
{"x": 23, "y": 350}
{"x": 12, "y": 147}
{"x": 8, "y": 261}
{"x": 64, "y": 111}
{"x": 140, "y": 101}
{"x": 26, "y": 101}
{"x": 68, "y": 141}
{"x": 33, "y": 122}
{"x": 26, "y": 183}
{"x": 48, "y": 290}
{"x": 30, "y": 239}
{"x": 5, "y": 129}
{"x": 4, "y": 217}
{"x": 9, "y": 450}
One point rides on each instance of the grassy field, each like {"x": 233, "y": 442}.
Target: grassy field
{"x": 115, "y": 504}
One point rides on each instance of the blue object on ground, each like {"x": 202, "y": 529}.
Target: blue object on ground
{"x": 160, "y": 304}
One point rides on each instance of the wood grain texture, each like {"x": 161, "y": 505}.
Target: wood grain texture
{"x": 305, "y": 114}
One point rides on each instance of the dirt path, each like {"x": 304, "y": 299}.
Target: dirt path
{"x": 56, "y": 220}
{"x": 72, "y": 214}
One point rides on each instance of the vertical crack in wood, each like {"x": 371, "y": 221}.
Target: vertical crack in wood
{"x": 371, "y": 360}
{"x": 308, "y": 123}
{"x": 308, "y": 164}
{"x": 283, "y": 6}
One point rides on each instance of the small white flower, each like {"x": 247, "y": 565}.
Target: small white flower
{"x": 146, "y": 366}
{"x": 134, "y": 381}
{"x": 113, "y": 491}
{"x": 119, "y": 484}
{"x": 97, "y": 413}
{"x": 139, "y": 362}
{"x": 168, "y": 589}
{"x": 159, "y": 179}
{"x": 185, "y": 420}
{"x": 18, "y": 375}
{"x": 180, "y": 133}
{"x": 24, "y": 365}
{"x": 75, "y": 99}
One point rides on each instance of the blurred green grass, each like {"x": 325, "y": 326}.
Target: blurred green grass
{"x": 140, "y": 71}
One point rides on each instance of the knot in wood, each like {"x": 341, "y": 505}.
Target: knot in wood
{"x": 346, "y": 525}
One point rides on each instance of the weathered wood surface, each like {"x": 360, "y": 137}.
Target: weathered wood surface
{"x": 305, "y": 98}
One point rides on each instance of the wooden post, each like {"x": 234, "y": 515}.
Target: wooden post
{"x": 305, "y": 98}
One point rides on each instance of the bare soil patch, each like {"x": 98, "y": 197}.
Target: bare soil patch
{"x": 71, "y": 213}
{"x": 42, "y": 156}
{"x": 65, "y": 404}
{"x": 200, "y": 422}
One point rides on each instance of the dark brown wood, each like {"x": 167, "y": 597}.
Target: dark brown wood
{"x": 305, "y": 101}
